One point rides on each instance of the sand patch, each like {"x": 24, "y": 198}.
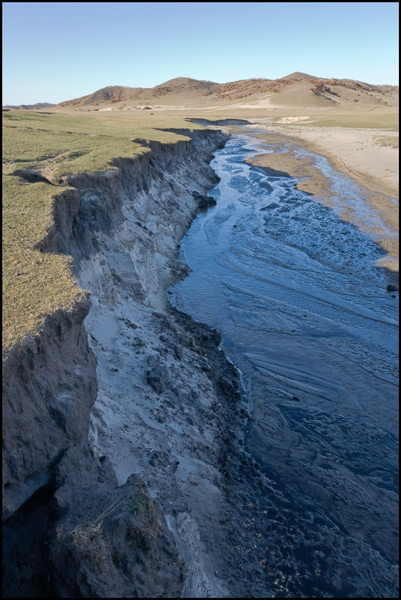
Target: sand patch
{"x": 313, "y": 181}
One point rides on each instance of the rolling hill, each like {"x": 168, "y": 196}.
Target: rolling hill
{"x": 297, "y": 89}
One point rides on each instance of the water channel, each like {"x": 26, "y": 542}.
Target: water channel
{"x": 306, "y": 316}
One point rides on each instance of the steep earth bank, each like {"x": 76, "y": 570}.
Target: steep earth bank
{"x": 149, "y": 503}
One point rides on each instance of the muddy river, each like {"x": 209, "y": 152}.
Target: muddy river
{"x": 306, "y": 316}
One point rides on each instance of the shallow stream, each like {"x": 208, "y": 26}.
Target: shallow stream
{"x": 305, "y": 315}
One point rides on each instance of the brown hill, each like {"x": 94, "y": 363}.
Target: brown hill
{"x": 296, "y": 76}
{"x": 108, "y": 95}
{"x": 294, "y": 90}
{"x": 176, "y": 89}
{"x": 184, "y": 84}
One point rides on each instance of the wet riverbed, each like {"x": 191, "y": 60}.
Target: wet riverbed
{"x": 306, "y": 316}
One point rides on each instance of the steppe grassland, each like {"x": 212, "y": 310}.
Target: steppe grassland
{"x": 382, "y": 118}
{"x": 374, "y": 119}
{"x": 36, "y": 284}
{"x": 59, "y": 144}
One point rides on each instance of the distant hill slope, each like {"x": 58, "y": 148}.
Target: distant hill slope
{"x": 176, "y": 89}
{"x": 296, "y": 89}
{"x": 296, "y": 76}
{"x": 183, "y": 85}
{"x": 37, "y": 106}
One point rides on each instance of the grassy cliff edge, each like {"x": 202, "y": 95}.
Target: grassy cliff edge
{"x": 40, "y": 154}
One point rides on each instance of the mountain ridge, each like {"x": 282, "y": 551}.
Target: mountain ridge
{"x": 295, "y": 89}
{"x": 185, "y": 91}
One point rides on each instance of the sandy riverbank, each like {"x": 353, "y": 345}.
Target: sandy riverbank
{"x": 355, "y": 152}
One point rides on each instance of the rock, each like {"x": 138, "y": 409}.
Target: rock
{"x": 227, "y": 386}
{"x": 188, "y": 341}
{"x": 207, "y": 368}
{"x": 204, "y": 202}
{"x": 157, "y": 377}
{"x": 158, "y": 458}
{"x": 178, "y": 351}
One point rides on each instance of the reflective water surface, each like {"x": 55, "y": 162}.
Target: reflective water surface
{"x": 306, "y": 316}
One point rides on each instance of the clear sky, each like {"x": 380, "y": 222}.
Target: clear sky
{"x": 55, "y": 51}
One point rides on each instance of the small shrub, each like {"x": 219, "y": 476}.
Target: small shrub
{"x": 88, "y": 540}
{"x": 137, "y": 505}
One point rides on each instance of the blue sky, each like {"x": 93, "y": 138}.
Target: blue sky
{"x": 62, "y": 50}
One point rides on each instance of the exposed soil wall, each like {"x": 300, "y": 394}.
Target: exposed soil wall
{"x": 71, "y": 528}
{"x": 124, "y": 471}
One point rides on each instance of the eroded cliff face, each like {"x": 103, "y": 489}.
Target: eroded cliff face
{"x": 49, "y": 387}
{"x": 139, "y": 507}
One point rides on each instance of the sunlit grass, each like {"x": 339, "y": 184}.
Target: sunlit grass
{"x": 76, "y": 143}
{"x": 34, "y": 283}
{"x": 55, "y": 145}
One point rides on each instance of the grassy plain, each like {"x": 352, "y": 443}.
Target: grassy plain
{"x": 65, "y": 142}
{"x": 387, "y": 120}
{"x": 55, "y": 146}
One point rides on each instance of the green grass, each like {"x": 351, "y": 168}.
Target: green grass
{"x": 34, "y": 283}
{"x": 137, "y": 504}
{"x": 76, "y": 143}
{"x": 388, "y": 140}
{"x": 55, "y": 145}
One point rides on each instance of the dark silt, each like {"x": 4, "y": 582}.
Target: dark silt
{"x": 307, "y": 318}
